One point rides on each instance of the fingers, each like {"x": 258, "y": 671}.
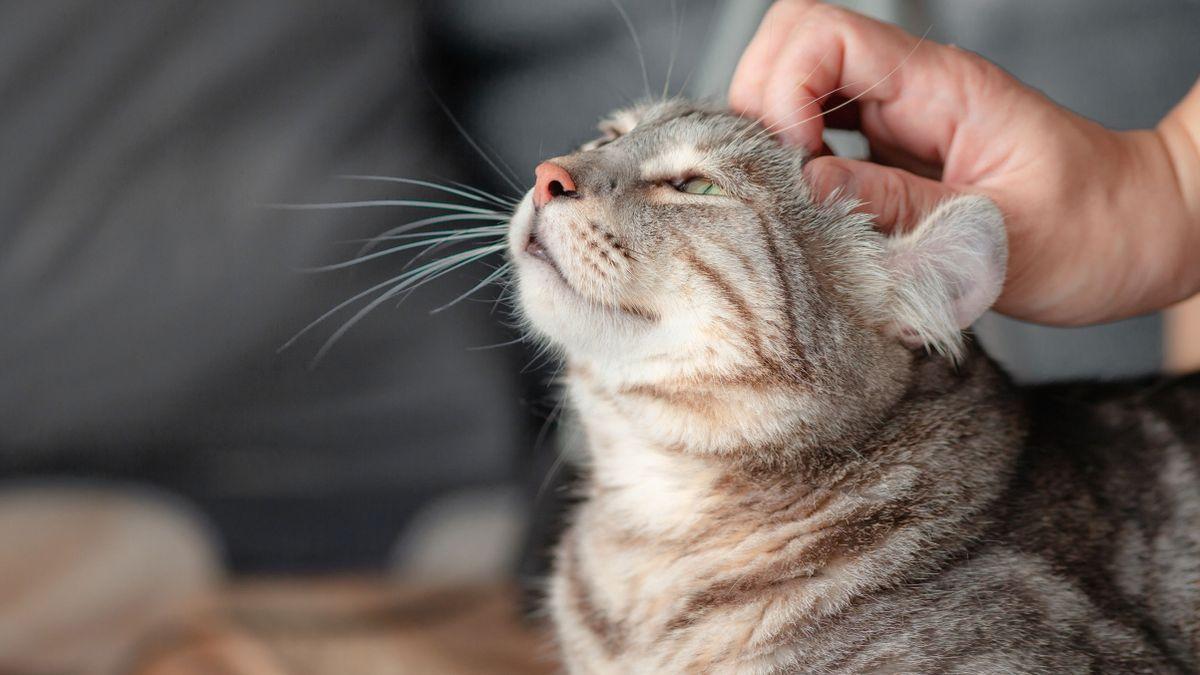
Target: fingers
{"x": 895, "y": 197}
{"x": 805, "y": 52}
{"x": 757, "y": 62}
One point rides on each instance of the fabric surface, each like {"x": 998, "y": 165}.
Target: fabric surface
{"x": 144, "y": 290}
{"x": 87, "y": 571}
{"x": 358, "y": 625}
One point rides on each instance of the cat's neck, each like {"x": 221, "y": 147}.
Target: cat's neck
{"x": 663, "y": 460}
{"x": 675, "y": 546}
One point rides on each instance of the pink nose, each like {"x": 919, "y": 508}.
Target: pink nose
{"x": 552, "y": 181}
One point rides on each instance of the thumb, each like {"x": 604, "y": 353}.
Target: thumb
{"x": 895, "y": 197}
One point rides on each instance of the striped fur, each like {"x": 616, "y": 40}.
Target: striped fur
{"x": 779, "y": 483}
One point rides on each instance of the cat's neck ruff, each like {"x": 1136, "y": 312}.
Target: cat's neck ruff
{"x": 685, "y": 544}
{"x": 662, "y": 452}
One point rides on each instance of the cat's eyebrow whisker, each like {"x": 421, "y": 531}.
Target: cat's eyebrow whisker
{"x": 866, "y": 91}
{"x": 801, "y": 83}
{"x": 764, "y": 130}
{"x": 676, "y": 26}
{"x": 637, "y": 43}
{"x": 708, "y": 31}
{"x": 422, "y": 183}
{"x": 771, "y": 129}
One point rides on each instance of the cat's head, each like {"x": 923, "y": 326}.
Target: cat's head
{"x": 686, "y": 240}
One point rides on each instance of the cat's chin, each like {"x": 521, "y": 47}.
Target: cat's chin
{"x": 530, "y": 254}
{"x": 574, "y": 324}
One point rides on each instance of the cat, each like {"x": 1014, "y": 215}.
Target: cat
{"x": 796, "y": 464}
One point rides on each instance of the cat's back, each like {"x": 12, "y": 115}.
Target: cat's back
{"x": 1107, "y": 493}
{"x": 1092, "y": 558}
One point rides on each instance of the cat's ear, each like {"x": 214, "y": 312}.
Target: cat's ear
{"x": 946, "y": 272}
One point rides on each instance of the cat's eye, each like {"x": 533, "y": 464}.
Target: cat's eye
{"x": 700, "y": 186}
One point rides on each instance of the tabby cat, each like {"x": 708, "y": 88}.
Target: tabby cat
{"x": 797, "y": 465}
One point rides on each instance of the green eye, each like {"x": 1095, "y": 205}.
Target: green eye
{"x": 700, "y": 186}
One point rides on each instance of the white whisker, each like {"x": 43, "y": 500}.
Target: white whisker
{"x": 507, "y": 202}
{"x": 866, "y": 91}
{"x": 637, "y": 43}
{"x": 511, "y": 180}
{"x": 391, "y": 233}
{"x": 414, "y": 181}
{"x": 415, "y": 278}
{"x": 467, "y": 235}
{"x": 499, "y": 272}
{"x": 676, "y": 25}
{"x": 498, "y": 345}
{"x": 414, "y": 203}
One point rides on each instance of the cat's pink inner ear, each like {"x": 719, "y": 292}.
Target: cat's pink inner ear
{"x": 947, "y": 272}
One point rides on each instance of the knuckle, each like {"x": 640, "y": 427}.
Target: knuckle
{"x": 976, "y": 71}
{"x": 832, "y": 14}
{"x": 896, "y": 204}
{"x": 785, "y": 10}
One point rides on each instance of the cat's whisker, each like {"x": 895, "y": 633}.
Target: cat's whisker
{"x": 449, "y": 238}
{"x": 416, "y": 224}
{"x": 511, "y": 180}
{"x": 499, "y": 229}
{"x": 506, "y": 202}
{"x": 706, "y": 40}
{"x": 759, "y": 120}
{"x": 560, "y": 456}
{"x": 866, "y": 91}
{"x": 377, "y": 203}
{"x": 498, "y": 345}
{"x": 421, "y": 183}
{"x": 771, "y": 129}
{"x": 398, "y": 279}
{"x": 637, "y": 43}
{"x": 499, "y": 272}
{"x": 435, "y": 245}
{"x": 408, "y": 281}
{"x": 676, "y": 25}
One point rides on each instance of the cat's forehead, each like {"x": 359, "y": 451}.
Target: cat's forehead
{"x": 677, "y": 137}
{"x": 675, "y": 121}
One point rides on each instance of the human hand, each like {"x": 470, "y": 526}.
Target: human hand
{"x": 1102, "y": 225}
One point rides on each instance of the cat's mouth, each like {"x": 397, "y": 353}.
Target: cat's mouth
{"x": 536, "y": 249}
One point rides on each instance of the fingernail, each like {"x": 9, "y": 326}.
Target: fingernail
{"x": 827, "y": 178}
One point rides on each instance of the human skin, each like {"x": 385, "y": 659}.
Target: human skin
{"x": 1102, "y": 225}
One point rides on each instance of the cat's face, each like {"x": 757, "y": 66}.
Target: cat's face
{"x": 687, "y": 240}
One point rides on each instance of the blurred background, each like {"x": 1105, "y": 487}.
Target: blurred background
{"x": 155, "y": 446}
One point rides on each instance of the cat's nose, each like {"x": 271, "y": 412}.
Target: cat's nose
{"x": 552, "y": 181}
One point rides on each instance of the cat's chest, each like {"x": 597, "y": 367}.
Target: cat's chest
{"x": 725, "y": 599}
{"x": 622, "y": 604}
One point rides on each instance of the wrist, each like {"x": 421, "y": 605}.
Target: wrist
{"x": 1179, "y": 136}
{"x": 1155, "y": 193}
